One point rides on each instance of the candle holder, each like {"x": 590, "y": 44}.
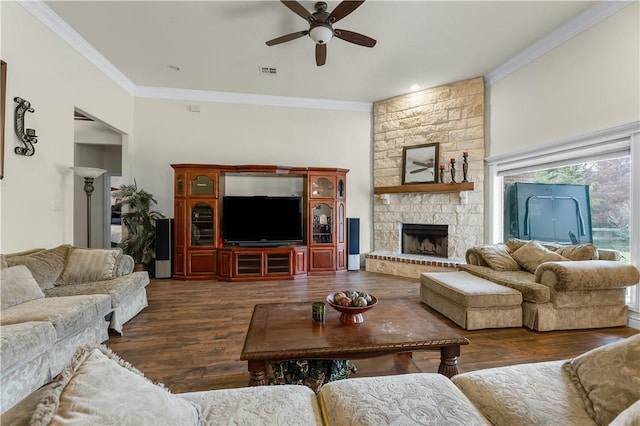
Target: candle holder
{"x": 453, "y": 170}
{"x": 26, "y": 136}
{"x": 441, "y": 173}
{"x": 465, "y": 166}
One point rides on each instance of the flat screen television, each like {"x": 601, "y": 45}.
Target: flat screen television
{"x": 261, "y": 220}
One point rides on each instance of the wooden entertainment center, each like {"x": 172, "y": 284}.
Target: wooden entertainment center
{"x": 199, "y": 250}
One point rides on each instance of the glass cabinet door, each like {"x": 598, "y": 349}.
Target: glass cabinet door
{"x": 202, "y": 185}
{"x": 179, "y": 185}
{"x": 322, "y": 224}
{"x": 341, "y": 188}
{"x": 202, "y": 224}
{"x": 321, "y": 188}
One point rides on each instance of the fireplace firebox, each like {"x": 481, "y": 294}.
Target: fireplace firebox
{"x": 425, "y": 239}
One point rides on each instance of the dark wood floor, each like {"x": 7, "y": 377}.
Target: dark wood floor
{"x": 191, "y": 335}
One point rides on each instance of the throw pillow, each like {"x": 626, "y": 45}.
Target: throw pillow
{"x": 607, "y": 378}
{"x": 100, "y": 388}
{"x": 89, "y": 265}
{"x": 45, "y": 265}
{"x": 579, "y": 252}
{"x": 498, "y": 258}
{"x": 532, "y": 254}
{"x": 629, "y": 417}
{"x": 18, "y": 286}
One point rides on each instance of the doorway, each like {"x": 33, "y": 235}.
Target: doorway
{"x": 96, "y": 144}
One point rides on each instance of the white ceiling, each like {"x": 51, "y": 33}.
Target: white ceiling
{"x": 220, "y": 45}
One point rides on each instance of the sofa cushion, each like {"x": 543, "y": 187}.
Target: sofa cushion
{"x": 260, "y": 405}
{"x": 121, "y": 289}
{"x": 468, "y": 290}
{"x": 532, "y": 254}
{"x": 408, "y": 399}
{"x": 22, "y": 342}
{"x": 97, "y": 387}
{"x": 518, "y": 280}
{"x": 578, "y": 252}
{"x": 67, "y": 314}
{"x": 45, "y": 265}
{"x": 525, "y": 394}
{"x": 18, "y": 286}
{"x": 498, "y": 258}
{"x": 87, "y": 265}
{"x": 608, "y": 378}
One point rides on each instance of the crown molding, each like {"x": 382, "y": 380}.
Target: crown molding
{"x": 590, "y": 17}
{"x": 48, "y": 17}
{"x": 249, "y": 99}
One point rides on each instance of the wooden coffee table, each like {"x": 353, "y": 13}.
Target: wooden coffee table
{"x": 285, "y": 331}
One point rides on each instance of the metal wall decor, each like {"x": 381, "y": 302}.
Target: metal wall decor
{"x": 27, "y": 136}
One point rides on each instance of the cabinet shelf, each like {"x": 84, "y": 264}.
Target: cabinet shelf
{"x": 425, "y": 187}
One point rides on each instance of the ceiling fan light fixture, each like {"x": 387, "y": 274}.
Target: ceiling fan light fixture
{"x": 321, "y": 34}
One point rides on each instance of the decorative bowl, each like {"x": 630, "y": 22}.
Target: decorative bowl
{"x": 351, "y": 314}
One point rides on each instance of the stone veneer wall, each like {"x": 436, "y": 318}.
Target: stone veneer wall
{"x": 453, "y": 116}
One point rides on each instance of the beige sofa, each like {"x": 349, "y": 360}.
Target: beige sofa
{"x": 563, "y": 287}
{"x": 600, "y": 387}
{"x": 39, "y": 333}
{"x": 68, "y": 271}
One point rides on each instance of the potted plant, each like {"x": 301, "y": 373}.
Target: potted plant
{"x": 139, "y": 221}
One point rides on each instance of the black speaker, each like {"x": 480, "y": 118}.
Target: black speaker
{"x": 164, "y": 248}
{"x": 353, "y": 244}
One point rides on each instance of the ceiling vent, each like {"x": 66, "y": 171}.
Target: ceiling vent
{"x": 271, "y": 71}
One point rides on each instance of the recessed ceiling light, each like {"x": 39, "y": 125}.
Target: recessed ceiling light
{"x": 414, "y": 87}
{"x": 173, "y": 67}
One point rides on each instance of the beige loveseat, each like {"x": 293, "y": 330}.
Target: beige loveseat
{"x": 39, "y": 333}
{"x": 563, "y": 287}
{"x": 600, "y": 387}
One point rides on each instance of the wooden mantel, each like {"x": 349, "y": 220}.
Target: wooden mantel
{"x": 425, "y": 187}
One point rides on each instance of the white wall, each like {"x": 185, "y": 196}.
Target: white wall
{"x": 589, "y": 83}
{"x": 168, "y": 133}
{"x": 37, "y": 192}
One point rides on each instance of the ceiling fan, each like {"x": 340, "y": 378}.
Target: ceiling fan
{"x": 321, "y": 27}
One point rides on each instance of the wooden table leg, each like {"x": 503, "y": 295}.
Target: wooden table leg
{"x": 257, "y": 373}
{"x": 449, "y": 361}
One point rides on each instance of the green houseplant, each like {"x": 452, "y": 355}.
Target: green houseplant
{"x": 139, "y": 220}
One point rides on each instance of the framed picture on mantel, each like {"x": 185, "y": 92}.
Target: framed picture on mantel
{"x": 420, "y": 164}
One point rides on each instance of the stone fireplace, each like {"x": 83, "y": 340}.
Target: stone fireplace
{"x": 425, "y": 239}
{"x": 451, "y": 116}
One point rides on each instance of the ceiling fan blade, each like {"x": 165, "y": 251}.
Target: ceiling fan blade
{"x": 298, "y": 9}
{"x": 287, "y": 37}
{"x": 343, "y": 9}
{"x": 417, "y": 171}
{"x": 321, "y": 54}
{"x": 354, "y": 38}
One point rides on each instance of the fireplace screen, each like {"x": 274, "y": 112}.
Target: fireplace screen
{"x": 426, "y": 240}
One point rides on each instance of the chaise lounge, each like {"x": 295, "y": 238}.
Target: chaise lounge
{"x": 562, "y": 287}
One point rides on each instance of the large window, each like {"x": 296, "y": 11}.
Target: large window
{"x": 608, "y": 162}
{"x": 608, "y": 183}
